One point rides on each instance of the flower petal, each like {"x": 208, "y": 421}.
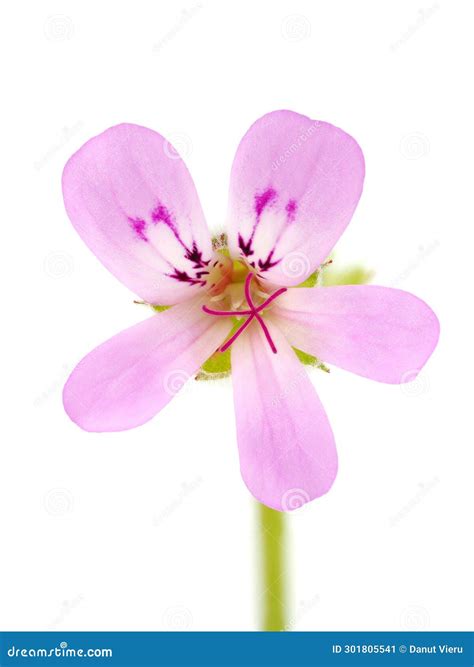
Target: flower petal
{"x": 286, "y": 446}
{"x": 295, "y": 183}
{"x": 381, "y": 333}
{"x": 133, "y": 202}
{"x": 125, "y": 381}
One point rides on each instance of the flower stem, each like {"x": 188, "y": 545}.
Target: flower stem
{"x": 273, "y": 536}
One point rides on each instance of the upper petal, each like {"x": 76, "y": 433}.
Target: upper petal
{"x": 381, "y": 333}
{"x": 295, "y": 183}
{"x": 125, "y": 381}
{"x": 286, "y": 446}
{"x": 133, "y": 202}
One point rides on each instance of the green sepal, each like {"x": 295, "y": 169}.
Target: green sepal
{"x": 218, "y": 365}
{"x": 310, "y": 281}
{"x": 309, "y": 360}
{"x": 352, "y": 275}
{"x": 160, "y": 309}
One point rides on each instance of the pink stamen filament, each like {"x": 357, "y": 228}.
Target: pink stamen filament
{"x": 252, "y": 313}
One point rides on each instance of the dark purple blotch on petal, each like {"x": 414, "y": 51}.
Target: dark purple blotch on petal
{"x": 245, "y": 247}
{"x": 261, "y": 201}
{"x": 161, "y": 214}
{"x": 184, "y": 277}
{"x": 264, "y": 199}
{"x": 268, "y": 263}
{"x": 195, "y": 255}
{"x": 291, "y": 209}
{"x": 139, "y": 225}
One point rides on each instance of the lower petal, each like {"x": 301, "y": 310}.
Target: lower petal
{"x": 286, "y": 446}
{"x": 378, "y": 332}
{"x": 125, "y": 381}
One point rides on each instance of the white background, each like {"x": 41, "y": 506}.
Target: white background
{"x": 153, "y": 528}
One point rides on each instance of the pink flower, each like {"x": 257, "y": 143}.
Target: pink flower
{"x": 294, "y": 186}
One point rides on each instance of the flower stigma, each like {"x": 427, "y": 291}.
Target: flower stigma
{"x": 225, "y": 280}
